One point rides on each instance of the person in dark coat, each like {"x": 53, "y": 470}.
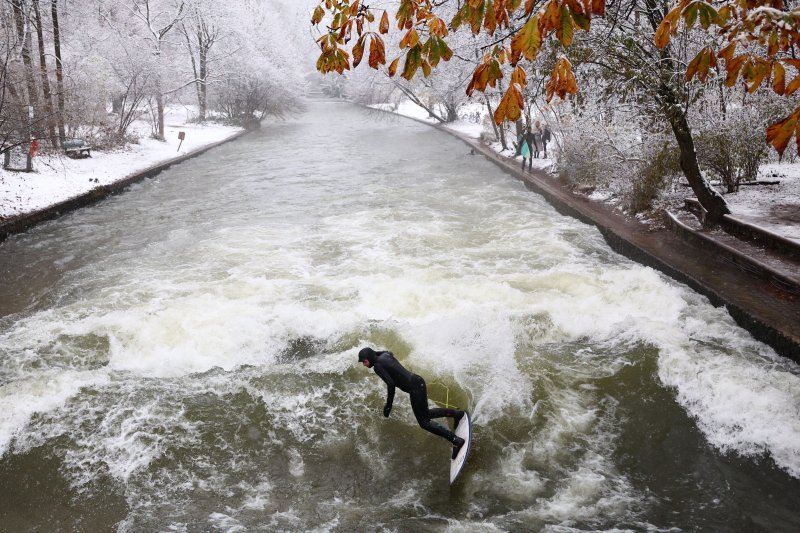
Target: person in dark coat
{"x": 546, "y": 135}
{"x": 394, "y": 375}
{"x": 537, "y": 139}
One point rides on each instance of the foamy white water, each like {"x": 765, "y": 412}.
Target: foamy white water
{"x": 185, "y": 353}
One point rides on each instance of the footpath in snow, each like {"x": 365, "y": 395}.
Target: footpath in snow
{"x": 57, "y": 178}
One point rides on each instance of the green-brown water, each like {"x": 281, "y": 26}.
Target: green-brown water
{"x": 182, "y": 357}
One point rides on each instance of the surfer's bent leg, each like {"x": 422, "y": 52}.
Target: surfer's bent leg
{"x": 419, "y": 404}
{"x": 438, "y": 412}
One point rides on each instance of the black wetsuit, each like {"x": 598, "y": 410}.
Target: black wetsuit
{"x": 395, "y": 375}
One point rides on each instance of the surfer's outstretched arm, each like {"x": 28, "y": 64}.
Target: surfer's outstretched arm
{"x": 384, "y": 375}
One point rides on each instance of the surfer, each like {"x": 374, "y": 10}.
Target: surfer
{"x": 395, "y": 375}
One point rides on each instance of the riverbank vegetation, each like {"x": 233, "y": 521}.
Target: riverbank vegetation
{"x": 643, "y": 96}
{"x": 89, "y": 70}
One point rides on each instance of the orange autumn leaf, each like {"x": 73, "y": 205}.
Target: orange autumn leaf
{"x": 562, "y": 81}
{"x": 316, "y": 18}
{"x": 358, "y": 52}
{"x": 510, "y": 107}
{"x": 519, "y": 77}
{"x": 779, "y": 79}
{"x": 780, "y": 133}
{"x": 393, "y": 67}
{"x": 410, "y": 39}
{"x": 486, "y": 74}
{"x": 377, "y": 52}
{"x": 668, "y": 27}
{"x": 792, "y": 87}
{"x": 384, "y": 25}
{"x": 527, "y": 42}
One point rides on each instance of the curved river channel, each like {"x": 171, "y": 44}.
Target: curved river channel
{"x": 182, "y": 357}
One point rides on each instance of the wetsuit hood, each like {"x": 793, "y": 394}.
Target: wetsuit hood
{"x": 369, "y": 354}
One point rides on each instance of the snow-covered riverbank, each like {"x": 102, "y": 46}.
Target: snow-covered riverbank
{"x": 775, "y": 206}
{"x": 57, "y": 178}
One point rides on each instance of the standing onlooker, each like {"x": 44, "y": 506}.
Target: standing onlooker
{"x": 537, "y": 138}
{"x": 525, "y": 149}
{"x": 545, "y": 137}
{"x": 520, "y": 127}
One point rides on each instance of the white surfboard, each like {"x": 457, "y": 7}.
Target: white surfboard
{"x": 464, "y": 430}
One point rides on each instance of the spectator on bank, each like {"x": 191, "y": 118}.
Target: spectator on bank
{"x": 536, "y": 144}
{"x": 520, "y": 129}
{"x": 525, "y": 149}
{"x": 546, "y": 135}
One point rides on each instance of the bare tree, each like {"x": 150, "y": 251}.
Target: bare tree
{"x": 159, "y": 19}
{"x": 201, "y": 32}
{"x": 59, "y": 69}
{"x": 48, "y": 100}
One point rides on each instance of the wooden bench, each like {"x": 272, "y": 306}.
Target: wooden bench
{"x": 77, "y": 148}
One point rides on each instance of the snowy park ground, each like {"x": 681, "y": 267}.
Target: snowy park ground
{"x": 773, "y": 207}
{"x": 57, "y": 178}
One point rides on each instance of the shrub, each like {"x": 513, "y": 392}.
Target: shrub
{"x": 733, "y": 150}
{"x": 584, "y": 160}
{"x": 654, "y": 172}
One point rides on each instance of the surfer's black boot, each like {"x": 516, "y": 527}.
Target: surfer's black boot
{"x": 458, "y": 443}
{"x": 458, "y": 417}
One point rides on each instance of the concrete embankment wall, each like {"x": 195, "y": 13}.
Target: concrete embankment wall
{"x": 771, "y": 316}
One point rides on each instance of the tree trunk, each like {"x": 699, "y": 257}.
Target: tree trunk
{"x": 710, "y": 199}
{"x": 48, "y": 97}
{"x": 24, "y": 37}
{"x": 675, "y": 110}
{"x": 160, "y": 110}
{"x": 197, "y": 77}
{"x": 59, "y": 70}
{"x": 202, "y": 92}
{"x": 499, "y": 134}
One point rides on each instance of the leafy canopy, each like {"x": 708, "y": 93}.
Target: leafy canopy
{"x": 764, "y": 30}
{"x": 765, "y": 35}
{"x": 424, "y": 41}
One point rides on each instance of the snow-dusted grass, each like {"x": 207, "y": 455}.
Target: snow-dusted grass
{"x": 57, "y": 178}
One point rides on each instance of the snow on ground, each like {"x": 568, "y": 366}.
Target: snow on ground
{"x": 57, "y": 178}
{"x": 470, "y": 124}
{"x": 773, "y": 207}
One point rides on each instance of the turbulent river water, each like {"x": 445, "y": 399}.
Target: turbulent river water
{"x": 182, "y": 357}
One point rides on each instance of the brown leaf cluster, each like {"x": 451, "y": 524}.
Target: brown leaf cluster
{"x": 424, "y": 44}
{"x": 763, "y": 22}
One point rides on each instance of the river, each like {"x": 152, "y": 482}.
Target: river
{"x": 182, "y": 357}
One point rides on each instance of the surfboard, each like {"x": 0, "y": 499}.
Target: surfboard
{"x": 463, "y": 430}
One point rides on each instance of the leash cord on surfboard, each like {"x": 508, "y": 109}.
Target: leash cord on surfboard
{"x": 446, "y": 403}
